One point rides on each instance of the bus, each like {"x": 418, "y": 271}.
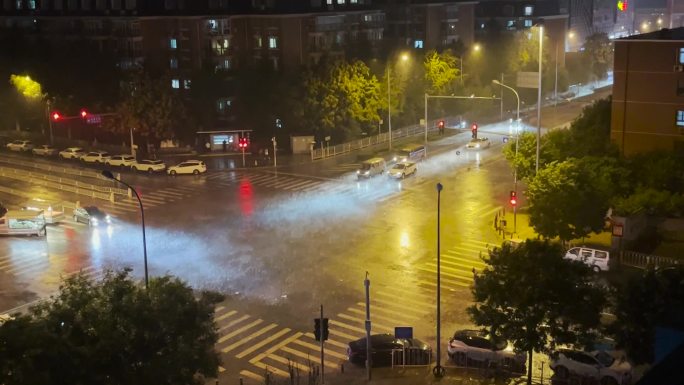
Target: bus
{"x": 413, "y": 153}
{"x": 23, "y": 222}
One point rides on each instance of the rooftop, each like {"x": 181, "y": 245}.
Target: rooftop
{"x": 663, "y": 34}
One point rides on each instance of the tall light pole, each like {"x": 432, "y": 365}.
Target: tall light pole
{"x": 517, "y": 132}
{"x": 108, "y": 174}
{"x": 438, "y": 370}
{"x": 404, "y": 57}
{"x": 48, "y": 105}
{"x": 539, "y": 95}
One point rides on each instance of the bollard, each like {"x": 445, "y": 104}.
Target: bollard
{"x": 130, "y": 193}
{"x": 111, "y": 197}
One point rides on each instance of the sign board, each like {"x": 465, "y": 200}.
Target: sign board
{"x": 527, "y": 79}
{"x": 327, "y": 138}
{"x": 93, "y": 119}
{"x": 617, "y": 230}
{"x": 422, "y": 122}
{"x": 403, "y": 332}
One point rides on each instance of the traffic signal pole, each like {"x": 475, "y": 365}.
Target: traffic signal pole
{"x": 322, "y": 341}
{"x": 243, "y": 156}
{"x": 366, "y": 283}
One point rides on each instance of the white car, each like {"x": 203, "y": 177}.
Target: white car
{"x": 20, "y": 145}
{"x": 120, "y": 161}
{"x": 44, "y": 150}
{"x": 188, "y": 167}
{"x": 401, "y": 170}
{"x": 476, "y": 144}
{"x": 598, "y": 260}
{"x": 599, "y": 365}
{"x": 72, "y": 153}
{"x": 472, "y": 347}
{"x": 148, "y": 165}
{"x": 96, "y": 157}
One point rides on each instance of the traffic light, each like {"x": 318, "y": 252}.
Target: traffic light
{"x": 56, "y": 116}
{"x": 242, "y": 143}
{"x": 441, "y": 124}
{"x": 473, "y": 129}
{"x": 317, "y": 329}
{"x": 84, "y": 113}
{"x": 513, "y": 199}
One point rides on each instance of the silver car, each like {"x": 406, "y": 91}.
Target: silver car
{"x": 44, "y": 150}
{"x": 599, "y": 365}
{"x": 473, "y": 348}
{"x": 401, "y": 170}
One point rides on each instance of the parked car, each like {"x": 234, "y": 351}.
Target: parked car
{"x": 45, "y": 150}
{"x": 382, "y": 346}
{"x": 599, "y": 365}
{"x": 92, "y": 216}
{"x": 478, "y": 143}
{"x": 472, "y": 348}
{"x": 188, "y": 167}
{"x": 120, "y": 160}
{"x": 96, "y": 157}
{"x": 20, "y": 145}
{"x": 148, "y": 165}
{"x": 596, "y": 259}
{"x": 402, "y": 169}
{"x": 72, "y": 153}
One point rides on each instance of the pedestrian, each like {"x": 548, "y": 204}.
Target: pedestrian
{"x": 207, "y": 145}
{"x": 225, "y": 145}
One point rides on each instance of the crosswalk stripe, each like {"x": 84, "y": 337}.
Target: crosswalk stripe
{"x": 148, "y": 200}
{"x": 219, "y": 308}
{"x": 271, "y": 369}
{"x": 288, "y": 184}
{"x": 472, "y": 250}
{"x": 477, "y": 241}
{"x": 253, "y": 376}
{"x": 465, "y": 275}
{"x": 261, "y": 178}
{"x": 221, "y": 369}
{"x": 375, "y": 316}
{"x": 393, "y": 304}
{"x": 343, "y": 335}
{"x": 27, "y": 266}
{"x": 444, "y": 282}
{"x": 262, "y": 343}
{"x": 411, "y": 292}
{"x": 169, "y": 193}
{"x": 463, "y": 263}
{"x": 362, "y": 322}
{"x": 239, "y": 330}
{"x": 465, "y": 271}
{"x": 275, "y": 347}
{"x": 297, "y": 353}
{"x": 248, "y": 338}
{"x": 233, "y": 322}
{"x": 403, "y": 298}
{"x": 329, "y": 341}
{"x": 382, "y": 310}
{"x": 306, "y": 185}
{"x": 347, "y": 326}
{"x": 466, "y": 256}
{"x": 318, "y": 348}
{"x": 300, "y": 183}
{"x": 226, "y": 315}
{"x": 289, "y": 361}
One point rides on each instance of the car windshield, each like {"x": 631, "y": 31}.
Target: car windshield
{"x": 105, "y": 154}
{"x": 94, "y": 211}
{"x": 365, "y": 166}
{"x": 605, "y": 359}
{"x": 399, "y": 166}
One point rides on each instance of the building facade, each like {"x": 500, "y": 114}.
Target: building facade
{"x": 648, "y": 92}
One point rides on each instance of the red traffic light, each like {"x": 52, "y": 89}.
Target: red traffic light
{"x": 473, "y": 127}
{"x": 441, "y": 124}
{"x": 56, "y": 116}
{"x": 84, "y": 113}
{"x": 242, "y": 143}
{"x": 513, "y": 198}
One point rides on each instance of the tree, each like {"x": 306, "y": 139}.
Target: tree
{"x": 598, "y": 51}
{"x": 113, "y": 332}
{"x": 535, "y": 299}
{"x": 570, "y": 199}
{"x": 441, "y": 70}
{"x": 648, "y": 301}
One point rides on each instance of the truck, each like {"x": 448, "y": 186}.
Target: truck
{"x": 23, "y": 222}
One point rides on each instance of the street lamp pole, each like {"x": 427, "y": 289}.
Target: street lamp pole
{"x": 517, "y": 133}
{"x": 132, "y": 146}
{"x": 438, "y": 370}
{"x": 389, "y": 108}
{"x": 108, "y": 174}
{"x": 49, "y": 118}
{"x": 539, "y": 96}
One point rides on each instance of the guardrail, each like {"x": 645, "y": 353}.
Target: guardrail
{"x": 60, "y": 186}
{"x": 53, "y": 169}
{"x": 413, "y": 357}
{"x": 643, "y": 261}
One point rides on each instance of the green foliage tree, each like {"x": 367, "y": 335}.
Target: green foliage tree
{"x": 598, "y": 52}
{"x": 535, "y": 299}
{"x": 570, "y": 199}
{"x": 653, "y": 299}
{"x": 441, "y": 71}
{"x": 113, "y": 332}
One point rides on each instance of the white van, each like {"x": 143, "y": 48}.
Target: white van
{"x": 596, "y": 259}
{"x": 23, "y": 222}
{"x": 371, "y": 167}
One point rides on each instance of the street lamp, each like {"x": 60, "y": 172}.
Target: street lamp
{"x": 517, "y": 132}
{"x": 438, "y": 370}
{"x": 404, "y": 57}
{"x": 539, "y": 93}
{"x": 108, "y": 174}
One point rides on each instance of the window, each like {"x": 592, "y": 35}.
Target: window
{"x": 510, "y": 24}
{"x": 223, "y": 105}
{"x": 681, "y": 56}
{"x": 340, "y": 1}
{"x": 173, "y": 63}
{"x": 528, "y": 10}
{"x": 528, "y": 23}
{"x": 32, "y": 4}
{"x": 418, "y": 44}
{"x": 329, "y": 2}
{"x": 187, "y": 83}
{"x": 258, "y": 43}
{"x": 680, "y": 118}
{"x": 175, "y": 83}
{"x": 18, "y": 4}
{"x": 272, "y": 42}
{"x": 173, "y": 44}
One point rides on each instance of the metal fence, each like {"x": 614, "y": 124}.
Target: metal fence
{"x": 643, "y": 261}
{"x": 413, "y": 357}
{"x": 106, "y": 193}
{"x": 53, "y": 169}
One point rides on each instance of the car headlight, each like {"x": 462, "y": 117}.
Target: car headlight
{"x": 108, "y": 219}
{"x": 93, "y": 221}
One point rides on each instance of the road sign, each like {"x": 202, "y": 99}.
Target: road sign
{"x": 327, "y": 138}
{"x": 403, "y": 332}
{"x": 527, "y": 79}
{"x": 505, "y": 139}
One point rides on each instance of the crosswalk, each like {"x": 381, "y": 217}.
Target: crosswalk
{"x": 269, "y": 349}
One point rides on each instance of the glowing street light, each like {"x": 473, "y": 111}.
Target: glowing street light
{"x": 404, "y": 58}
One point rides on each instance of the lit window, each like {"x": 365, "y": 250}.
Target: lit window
{"x": 681, "y": 56}
{"x": 510, "y": 23}
{"x": 329, "y": 2}
{"x": 258, "y": 42}
{"x": 418, "y": 44}
{"x": 340, "y": 1}
{"x": 32, "y": 4}
{"x": 272, "y": 42}
{"x": 173, "y": 63}
{"x": 482, "y": 26}
{"x": 353, "y": 1}
{"x": 680, "y": 118}
{"x": 528, "y": 23}
{"x": 173, "y": 44}
{"x": 528, "y": 10}
{"x": 175, "y": 83}
{"x": 187, "y": 83}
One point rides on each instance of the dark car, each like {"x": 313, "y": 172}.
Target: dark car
{"x": 416, "y": 351}
{"x": 92, "y": 216}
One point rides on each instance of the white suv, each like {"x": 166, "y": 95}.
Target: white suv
{"x": 188, "y": 167}
{"x": 20, "y": 145}
{"x": 120, "y": 160}
{"x": 96, "y": 157}
{"x": 44, "y": 150}
{"x": 72, "y": 153}
{"x": 148, "y": 165}
{"x": 599, "y": 365}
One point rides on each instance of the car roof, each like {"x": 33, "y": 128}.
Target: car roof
{"x": 373, "y": 160}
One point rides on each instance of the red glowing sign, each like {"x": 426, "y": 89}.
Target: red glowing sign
{"x": 622, "y": 5}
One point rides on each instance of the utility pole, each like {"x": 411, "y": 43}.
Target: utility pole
{"x": 366, "y": 283}
{"x": 132, "y": 144}
{"x": 539, "y": 96}
{"x": 389, "y": 109}
{"x": 501, "y": 96}
{"x": 322, "y": 355}
{"x": 438, "y": 370}
{"x": 275, "y": 156}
